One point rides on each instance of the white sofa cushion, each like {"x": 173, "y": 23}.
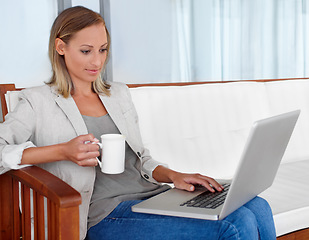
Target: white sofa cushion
{"x": 289, "y": 197}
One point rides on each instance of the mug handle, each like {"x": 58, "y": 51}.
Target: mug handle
{"x": 99, "y": 162}
{"x": 100, "y": 145}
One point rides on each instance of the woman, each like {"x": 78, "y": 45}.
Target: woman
{"x": 52, "y": 124}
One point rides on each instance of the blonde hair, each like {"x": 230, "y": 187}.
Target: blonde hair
{"x": 69, "y": 22}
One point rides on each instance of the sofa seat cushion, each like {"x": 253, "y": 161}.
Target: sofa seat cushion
{"x": 289, "y": 197}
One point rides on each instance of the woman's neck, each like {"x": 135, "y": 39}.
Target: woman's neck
{"x": 82, "y": 90}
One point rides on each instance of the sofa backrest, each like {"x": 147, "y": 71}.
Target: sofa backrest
{"x": 203, "y": 128}
{"x": 285, "y": 96}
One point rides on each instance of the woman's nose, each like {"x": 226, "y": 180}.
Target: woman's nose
{"x": 98, "y": 59}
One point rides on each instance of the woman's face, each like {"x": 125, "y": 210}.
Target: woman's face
{"x": 85, "y": 53}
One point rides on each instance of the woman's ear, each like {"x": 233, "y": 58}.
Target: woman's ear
{"x": 59, "y": 45}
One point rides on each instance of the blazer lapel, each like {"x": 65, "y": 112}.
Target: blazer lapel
{"x": 111, "y": 104}
{"x": 115, "y": 111}
{"x": 70, "y": 109}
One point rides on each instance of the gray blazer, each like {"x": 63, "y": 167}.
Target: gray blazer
{"x": 43, "y": 117}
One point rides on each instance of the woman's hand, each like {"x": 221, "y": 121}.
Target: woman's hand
{"x": 80, "y": 150}
{"x": 185, "y": 181}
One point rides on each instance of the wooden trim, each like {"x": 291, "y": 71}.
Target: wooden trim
{"x": 297, "y": 235}
{"x": 133, "y": 85}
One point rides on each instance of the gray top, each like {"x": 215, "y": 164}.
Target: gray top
{"x": 111, "y": 189}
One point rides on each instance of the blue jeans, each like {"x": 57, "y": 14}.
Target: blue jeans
{"x": 252, "y": 221}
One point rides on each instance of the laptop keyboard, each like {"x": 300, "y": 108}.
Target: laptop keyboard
{"x": 208, "y": 199}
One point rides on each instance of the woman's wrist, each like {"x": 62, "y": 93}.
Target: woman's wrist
{"x": 37, "y": 155}
{"x": 163, "y": 174}
{"x": 61, "y": 151}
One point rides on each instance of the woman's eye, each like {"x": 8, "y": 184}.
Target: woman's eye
{"x": 103, "y": 50}
{"x": 85, "y": 51}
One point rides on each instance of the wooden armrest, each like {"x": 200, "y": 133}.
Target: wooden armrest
{"x": 62, "y": 209}
{"x": 48, "y": 185}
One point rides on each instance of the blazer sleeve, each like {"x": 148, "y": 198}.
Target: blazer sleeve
{"x": 15, "y": 135}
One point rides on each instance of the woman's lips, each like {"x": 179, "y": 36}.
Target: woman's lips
{"x": 93, "y": 71}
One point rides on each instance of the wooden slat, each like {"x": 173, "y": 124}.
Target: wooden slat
{"x": 26, "y": 212}
{"x": 6, "y": 207}
{"x": 52, "y": 229}
{"x": 16, "y": 212}
{"x": 39, "y": 214}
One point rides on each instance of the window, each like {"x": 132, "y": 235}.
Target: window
{"x": 202, "y": 40}
{"x": 167, "y": 40}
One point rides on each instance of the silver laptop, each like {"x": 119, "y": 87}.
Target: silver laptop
{"x": 256, "y": 171}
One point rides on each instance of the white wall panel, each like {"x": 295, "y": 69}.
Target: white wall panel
{"x": 24, "y": 30}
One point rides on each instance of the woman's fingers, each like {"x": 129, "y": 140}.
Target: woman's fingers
{"x": 212, "y": 183}
{"x": 187, "y": 182}
{"x": 80, "y": 150}
{"x": 88, "y": 162}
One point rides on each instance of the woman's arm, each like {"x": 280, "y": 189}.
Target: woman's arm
{"x": 75, "y": 150}
{"x": 185, "y": 181}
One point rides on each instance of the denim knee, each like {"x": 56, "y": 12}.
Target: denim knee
{"x": 264, "y": 217}
{"x": 241, "y": 224}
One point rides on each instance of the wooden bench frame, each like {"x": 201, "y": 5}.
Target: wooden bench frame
{"x": 48, "y": 196}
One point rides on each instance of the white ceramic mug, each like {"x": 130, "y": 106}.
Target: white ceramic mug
{"x": 113, "y": 153}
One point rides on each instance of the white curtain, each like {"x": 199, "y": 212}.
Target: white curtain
{"x": 182, "y": 51}
{"x": 240, "y": 39}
